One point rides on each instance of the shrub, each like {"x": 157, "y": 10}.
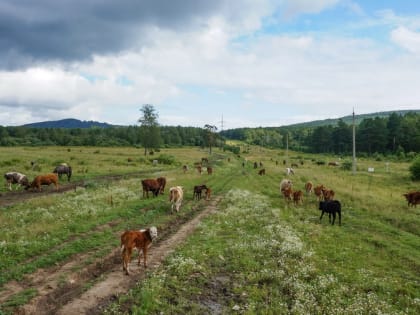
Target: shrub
{"x": 415, "y": 169}
{"x": 347, "y": 165}
{"x": 165, "y": 159}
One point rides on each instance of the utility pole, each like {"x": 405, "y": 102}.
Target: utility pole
{"x": 354, "y": 145}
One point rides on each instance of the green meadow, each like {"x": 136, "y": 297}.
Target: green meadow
{"x": 258, "y": 254}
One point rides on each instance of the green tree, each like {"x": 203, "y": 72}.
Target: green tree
{"x": 149, "y": 128}
{"x": 210, "y": 136}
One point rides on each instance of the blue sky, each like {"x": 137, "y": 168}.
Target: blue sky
{"x": 256, "y": 63}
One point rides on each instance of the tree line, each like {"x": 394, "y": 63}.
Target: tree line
{"x": 395, "y": 134}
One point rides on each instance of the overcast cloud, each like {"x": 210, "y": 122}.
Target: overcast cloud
{"x": 257, "y": 63}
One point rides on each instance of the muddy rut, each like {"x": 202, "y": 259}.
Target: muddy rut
{"x": 82, "y": 286}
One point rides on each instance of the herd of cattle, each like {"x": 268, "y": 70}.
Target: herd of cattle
{"x": 142, "y": 239}
{"x": 21, "y": 180}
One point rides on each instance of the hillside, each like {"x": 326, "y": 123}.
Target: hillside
{"x": 68, "y": 123}
{"x": 349, "y": 119}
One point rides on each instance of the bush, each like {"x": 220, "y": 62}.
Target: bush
{"x": 347, "y": 165}
{"x": 165, "y": 159}
{"x": 415, "y": 169}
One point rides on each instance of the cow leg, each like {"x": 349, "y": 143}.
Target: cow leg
{"x": 333, "y": 214}
{"x": 322, "y": 213}
{"x": 339, "y": 218}
{"x": 145, "y": 256}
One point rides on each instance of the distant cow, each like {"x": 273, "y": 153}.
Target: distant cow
{"x": 47, "y": 179}
{"x": 289, "y": 171}
{"x": 199, "y": 169}
{"x": 209, "y": 170}
{"x": 298, "y": 197}
{"x": 141, "y": 240}
{"x": 413, "y": 198}
{"x": 197, "y": 191}
{"x": 285, "y": 183}
{"x": 328, "y": 194}
{"x": 63, "y": 169}
{"x": 261, "y": 172}
{"x": 16, "y": 178}
{"x": 318, "y": 192}
{"x": 332, "y": 207}
{"x": 333, "y": 164}
{"x": 185, "y": 168}
{"x": 208, "y": 193}
{"x": 176, "y": 195}
{"x": 152, "y": 185}
{"x": 308, "y": 187}
{"x": 287, "y": 193}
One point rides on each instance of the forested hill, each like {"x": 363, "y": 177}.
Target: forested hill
{"x": 349, "y": 119}
{"x": 68, "y": 123}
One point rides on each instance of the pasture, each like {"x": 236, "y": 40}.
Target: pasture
{"x": 257, "y": 254}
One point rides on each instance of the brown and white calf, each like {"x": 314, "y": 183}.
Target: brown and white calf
{"x": 176, "y": 194}
{"x": 16, "y": 178}
{"x": 141, "y": 240}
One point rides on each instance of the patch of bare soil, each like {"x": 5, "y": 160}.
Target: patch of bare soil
{"x": 77, "y": 287}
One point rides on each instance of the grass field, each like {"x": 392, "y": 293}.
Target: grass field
{"x": 257, "y": 255}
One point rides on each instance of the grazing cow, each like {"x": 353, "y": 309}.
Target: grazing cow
{"x": 162, "y": 183}
{"x": 47, "y": 179}
{"x": 63, "y": 169}
{"x": 298, "y": 197}
{"x": 333, "y": 164}
{"x": 16, "y": 178}
{"x": 209, "y": 170}
{"x": 332, "y": 207}
{"x": 413, "y": 198}
{"x": 294, "y": 165}
{"x": 255, "y": 165}
{"x": 308, "y": 188}
{"x": 289, "y": 171}
{"x": 328, "y": 194}
{"x": 199, "y": 169}
{"x": 185, "y": 168}
{"x": 285, "y": 183}
{"x": 141, "y": 240}
{"x": 318, "y": 192}
{"x": 176, "y": 195}
{"x": 204, "y": 160}
{"x": 261, "y": 172}
{"x": 197, "y": 191}
{"x": 152, "y": 185}
{"x": 208, "y": 193}
{"x": 287, "y": 193}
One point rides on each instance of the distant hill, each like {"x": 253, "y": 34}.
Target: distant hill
{"x": 68, "y": 123}
{"x": 349, "y": 119}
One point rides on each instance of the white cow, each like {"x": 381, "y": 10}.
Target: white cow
{"x": 176, "y": 195}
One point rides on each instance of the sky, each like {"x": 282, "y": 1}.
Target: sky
{"x": 246, "y": 63}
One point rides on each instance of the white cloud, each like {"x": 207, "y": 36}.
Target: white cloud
{"x": 407, "y": 39}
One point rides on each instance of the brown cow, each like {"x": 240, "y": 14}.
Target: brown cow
{"x": 197, "y": 191}
{"x": 141, "y": 240}
{"x": 152, "y": 185}
{"x": 308, "y": 187}
{"x": 298, "y": 197}
{"x": 199, "y": 169}
{"x": 413, "y": 198}
{"x": 328, "y": 194}
{"x": 287, "y": 193}
{"x": 208, "y": 193}
{"x": 47, "y": 179}
{"x": 261, "y": 172}
{"x": 318, "y": 192}
{"x": 209, "y": 170}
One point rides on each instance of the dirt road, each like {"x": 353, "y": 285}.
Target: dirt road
{"x": 62, "y": 289}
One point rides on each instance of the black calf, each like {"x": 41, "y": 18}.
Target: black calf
{"x": 331, "y": 207}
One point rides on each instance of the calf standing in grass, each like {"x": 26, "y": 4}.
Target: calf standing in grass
{"x": 16, "y": 178}
{"x": 141, "y": 240}
{"x": 332, "y": 207}
{"x": 176, "y": 195}
{"x": 47, "y": 179}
